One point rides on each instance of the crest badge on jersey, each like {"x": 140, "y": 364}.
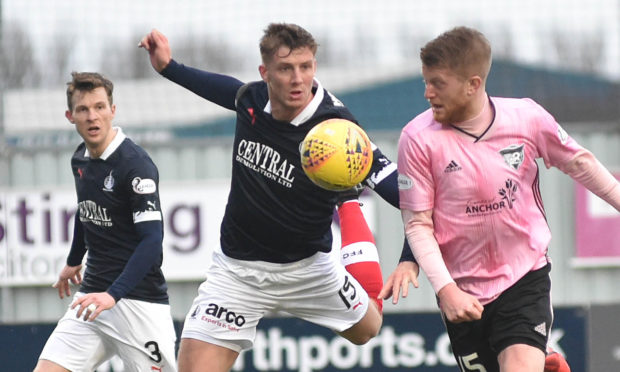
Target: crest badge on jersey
{"x": 513, "y": 155}
{"x": 108, "y": 183}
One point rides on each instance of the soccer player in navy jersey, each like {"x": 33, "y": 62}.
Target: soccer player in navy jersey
{"x": 122, "y": 305}
{"x": 275, "y": 234}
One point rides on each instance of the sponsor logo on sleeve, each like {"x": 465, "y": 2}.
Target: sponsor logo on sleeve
{"x": 143, "y": 185}
{"x": 562, "y": 134}
{"x": 404, "y": 182}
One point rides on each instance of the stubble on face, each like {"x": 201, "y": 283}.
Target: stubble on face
{"x": 446, "y": 93}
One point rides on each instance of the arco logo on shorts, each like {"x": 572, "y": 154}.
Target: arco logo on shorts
{"x": 223, "y": 313}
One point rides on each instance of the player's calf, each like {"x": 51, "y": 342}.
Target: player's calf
{"x": 359, "y": 252}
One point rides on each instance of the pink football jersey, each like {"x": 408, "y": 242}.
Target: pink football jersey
{"x": 488, "y": 214}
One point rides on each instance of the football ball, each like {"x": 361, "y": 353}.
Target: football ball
{"x": 336, "y": 154}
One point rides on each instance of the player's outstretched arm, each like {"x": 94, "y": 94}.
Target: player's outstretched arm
{"x": 383, "y": 177}
{"x": 158, "y": 48}
{"x": 587, "y": 170}
{"x": 217, "y": 88}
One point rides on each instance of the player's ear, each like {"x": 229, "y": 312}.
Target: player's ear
{"x": 69, "y": 116}
{"x": 474, "y": 83}
{"x": 262, "y": 69}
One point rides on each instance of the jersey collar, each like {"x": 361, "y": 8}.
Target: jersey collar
{"x": 309, "y": 110}
{"x": 116, "y": 142}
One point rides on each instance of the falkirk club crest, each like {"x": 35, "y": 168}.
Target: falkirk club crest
{"x": 108, "y": 183}
{"x": 513, "y": 155}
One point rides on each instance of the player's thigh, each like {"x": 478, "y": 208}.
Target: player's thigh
{"x": 367, "y": 328}
{"x": 324, "y": 293}
{"x": 470, "y": 345}
{"x": 227, "y": 309}
{"x": 523, "y": 313}
{"x": 521, "y": 357}
{"x": 75, "y": 344}
{"x": 519, "y": 317}
{"x": 200, "y": 356}
{"x": 143, "y": 335}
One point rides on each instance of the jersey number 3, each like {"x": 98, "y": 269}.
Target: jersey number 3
{"x": 153, "y": 348}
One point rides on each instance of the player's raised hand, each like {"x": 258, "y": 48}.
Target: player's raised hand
{"x": 68, "y": 274}
{"x": 397, "y": 283}
{"x": 158, "y": 47}
{"x": 459, "y": 306}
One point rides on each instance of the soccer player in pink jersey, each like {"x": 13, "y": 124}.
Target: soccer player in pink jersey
{"x": 472, "y": 209}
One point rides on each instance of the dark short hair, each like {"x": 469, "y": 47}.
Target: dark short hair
{"x": 86, "y": 82}
{"x": 464, "y": 50}
{"x": 285, "y": 34}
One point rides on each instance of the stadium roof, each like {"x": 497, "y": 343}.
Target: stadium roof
{"x": 570, "y": 97}
{"x": 384, "y": 105}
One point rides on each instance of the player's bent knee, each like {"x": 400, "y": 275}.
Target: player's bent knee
{"x": 365, "y": 329}
{"x": 360, "y": 340}
{"x": 359, "y": 337}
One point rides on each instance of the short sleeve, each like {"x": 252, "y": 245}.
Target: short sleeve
{"x": 554, "y": 145}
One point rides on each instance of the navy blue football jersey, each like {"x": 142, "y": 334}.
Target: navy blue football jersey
{"x": 274, "y": 213}
{"x": 115, "y": 192}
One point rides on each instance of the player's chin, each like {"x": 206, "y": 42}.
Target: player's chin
{"x": 440, "y": 118}
{"x": 295, "y": 105}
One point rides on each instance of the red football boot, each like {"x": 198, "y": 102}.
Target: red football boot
{"x": 555, "y": 362}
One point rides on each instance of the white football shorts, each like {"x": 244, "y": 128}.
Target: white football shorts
{"x": 237, "y": 294}
{"x": 140, "y": 333}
